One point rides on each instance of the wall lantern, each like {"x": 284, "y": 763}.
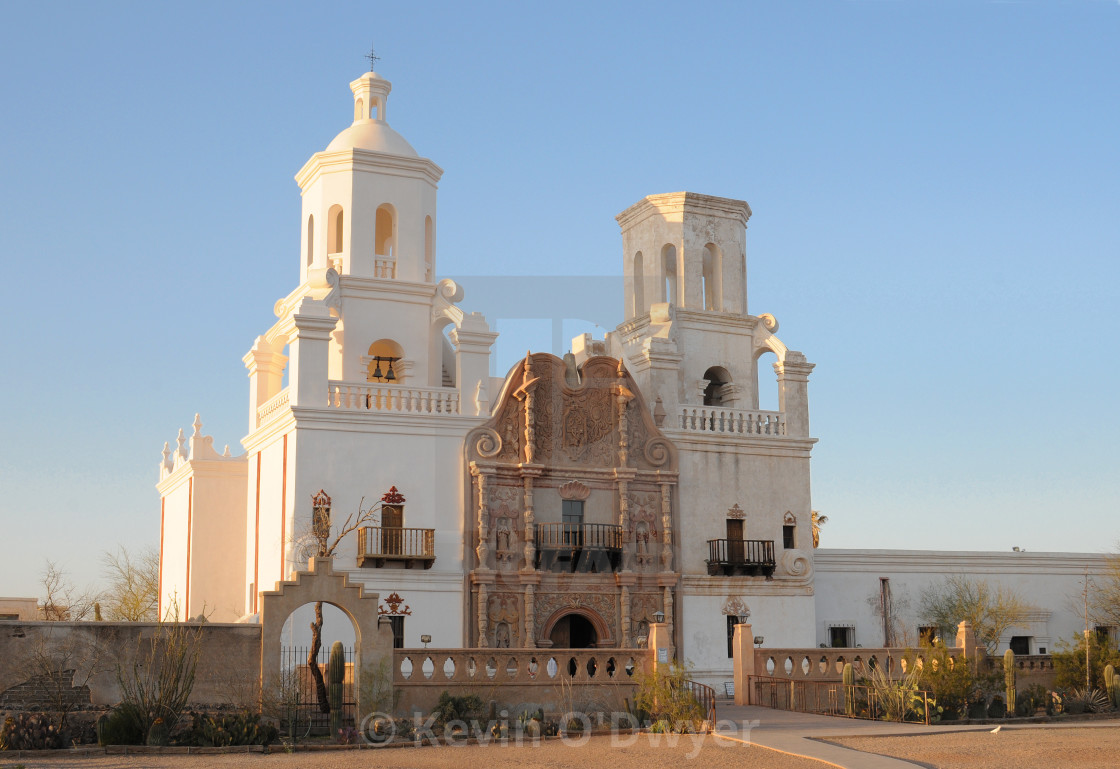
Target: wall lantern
{"x": 659, "y": 617}
{"x": 758, "y": 640}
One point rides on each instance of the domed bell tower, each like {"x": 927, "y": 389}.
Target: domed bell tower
{"x": 369, "y": 200}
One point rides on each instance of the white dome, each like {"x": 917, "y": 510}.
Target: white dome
{"x": 374, "y": 135}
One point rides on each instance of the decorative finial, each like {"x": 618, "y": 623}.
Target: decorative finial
{"x": 197, "y": 425}
{"x": 373, "y": 57}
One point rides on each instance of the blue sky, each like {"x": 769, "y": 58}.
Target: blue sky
{"x": 935, "y": 188}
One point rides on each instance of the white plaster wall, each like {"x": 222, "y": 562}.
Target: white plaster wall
{"x": 715, "y": 475}
{"x": 218, "y": 550}
{"x": 173, "y": 556}
{"x": 783, "y": 620}
{"x": 845, "y": 579}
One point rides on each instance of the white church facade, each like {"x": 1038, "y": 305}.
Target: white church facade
{"x": 570, "y": 503}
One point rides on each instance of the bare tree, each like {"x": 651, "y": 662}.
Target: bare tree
{"x": 990, "y": 609}
{"x": 132, "y": 594}
{"x": 62, "y": 663}
{"x": 1105, "y": 600}
{"x": 326, "y": 539}
{"x": 62, "y": 601}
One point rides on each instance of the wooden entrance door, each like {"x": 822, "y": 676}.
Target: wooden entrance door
{"x": 735, "y": 540}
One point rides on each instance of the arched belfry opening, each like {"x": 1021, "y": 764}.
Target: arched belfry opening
{"x": 385, "y": 231}
{"x": 715, "y": 392}
{"x": 669, "y": 270}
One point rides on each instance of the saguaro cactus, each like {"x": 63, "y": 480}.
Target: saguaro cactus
{"x": 1112, "y": 685}
{"x": 849, "y": 678}
{"x": 336, "y": 671}
{"x": 1009, "y": 680}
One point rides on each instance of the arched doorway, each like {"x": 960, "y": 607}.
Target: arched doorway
{"x": 573, "y": 631}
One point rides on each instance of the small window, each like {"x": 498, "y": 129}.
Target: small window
{"x": 397, "y": 623}
{"x": 732, "y": 621}
{"x": 334, "y": 230}
{"x": 572, "y": 513}
{"x": 1021, "y": 644}
{"x": 927, "y": 634}
{"x": 840, "y": 637}
{"x": 788, "y": 541}
{"x": 1105, "y": 633}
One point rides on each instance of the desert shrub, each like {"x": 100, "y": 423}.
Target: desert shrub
{"x": 997, "y": 708}
{"x": 158, "y": 684}
{"x": 898, "y": 699}
{"x": 241, "y": 727}
{"x": 30, "y": 731}
{"x": 120, "y": 726}
{"x": 1069, "y": 662}
{"x": 961, "y": 690}
{"x": 663, "y": 693}
{"x": 451, "y": 707}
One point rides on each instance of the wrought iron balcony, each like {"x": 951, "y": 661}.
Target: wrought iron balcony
{"x": 753, "y": 557}
{"x": 579, "y": 547}
{"x": 379, "y": 544}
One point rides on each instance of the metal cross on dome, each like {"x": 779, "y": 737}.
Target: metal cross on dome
{"x": 373, "y": 57}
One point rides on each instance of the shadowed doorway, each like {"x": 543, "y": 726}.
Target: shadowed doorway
{"x": 573, "y": 631}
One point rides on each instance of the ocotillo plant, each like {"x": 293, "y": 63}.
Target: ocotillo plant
{"x": 336, "y": 670}
{"x": 849, "y": 678}
{"x": 1009, "y": 680}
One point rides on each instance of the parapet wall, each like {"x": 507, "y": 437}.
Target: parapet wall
{"x": 228, "y": 670}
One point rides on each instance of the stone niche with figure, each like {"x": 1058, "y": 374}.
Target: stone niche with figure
{"x": 571, "y": 515}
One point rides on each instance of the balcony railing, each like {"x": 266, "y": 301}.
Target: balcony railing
{"x": 728, "y": 421}
{"x": 579, "y": 547}
{"x": 375, "y": 396}
{"x": 379, "y": 544}
{"x": 753, "y": 557}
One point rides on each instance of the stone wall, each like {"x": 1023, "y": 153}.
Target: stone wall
{"x": 42, "y": 661}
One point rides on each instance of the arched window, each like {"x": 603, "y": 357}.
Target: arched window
{"x": 310, "y": 239}
{"x": 713, "y": 393}
{"x": 334, "y": 230}
{"x": 385, "y": 231}
{"x": 669, "y": 268}
{"x": 639, "y": 285}
{"x": 429, "y": 249}
{"x": 359, "y": 109}
{"x": 711, "y": 274}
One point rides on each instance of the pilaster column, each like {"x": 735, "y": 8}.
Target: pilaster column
{"x": 309, "y": 347}
{"x": 483, "y": 548}
{"x": 625, "y": 597}
{"x": 483, "y": 622}
{"x": 529, "y": 524}
{"x": 530, "y": 619}
{"x": 793, "y": 392}
{"x": 266, "y": 373}
{"x": 667, "y": 526}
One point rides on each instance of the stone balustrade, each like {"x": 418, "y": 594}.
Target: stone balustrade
{"x": 544, "y": 667}
{"x": 727, "y": 421}
{"x": 272, "y": 408}
{"x": 384, "y": 267}
{"x": 828, "y": 664}
{"x": 377, "y": 396}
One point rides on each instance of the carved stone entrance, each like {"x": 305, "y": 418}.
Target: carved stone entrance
{"x": 577, "y": 629}
{"x": 573, "y": 631}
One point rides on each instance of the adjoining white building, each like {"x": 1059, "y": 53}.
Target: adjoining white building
{"x": 567, "y": 504}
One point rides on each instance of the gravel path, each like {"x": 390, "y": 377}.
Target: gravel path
{"x": 1038, "y": 748}
{"x": 551, "y": 754}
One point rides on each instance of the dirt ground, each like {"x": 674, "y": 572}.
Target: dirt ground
{"x": 1084, "y": 748}
{"x": 641, "y": 753}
